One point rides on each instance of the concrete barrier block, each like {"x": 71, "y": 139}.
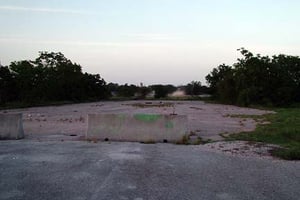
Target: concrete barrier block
{"x": 137, "y": 127}
{"x": 11, "y": 126}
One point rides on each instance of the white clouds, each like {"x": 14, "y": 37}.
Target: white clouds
{"x": 45, "y": 10}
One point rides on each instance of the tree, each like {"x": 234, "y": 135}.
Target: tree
{"x": 218, "y": 74}
{"x": 94, "y": 87}
{"x": 257, "y": 80}
{"x": 127, "y": 90}
{"x": 161, "y": 91}
{"x": 143, "y": 91}
{"x": 26, "y": 77}
{"x": 193, "y": 88}
{"x": 8, "y": 88}
{"x": 53, "y": 77}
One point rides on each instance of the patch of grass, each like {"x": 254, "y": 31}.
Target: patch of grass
{"x": 283, "y": 130}
{"x": 292, "y": 153}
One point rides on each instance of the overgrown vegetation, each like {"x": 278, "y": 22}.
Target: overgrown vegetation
{"x": 263, "y": 81}
{"x": 158, "y": 91}
{"x": 127, "y": 92}
{"x": 49, "y": 78}
{"x": 283, "y": 130}
{"x": 54, "y": 79}
{"x": 257, "y": 80}
{"x": 195, "y": 88}
{"x": 161, "y": 91}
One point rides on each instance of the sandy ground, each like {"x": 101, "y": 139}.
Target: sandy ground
{"x": 69, "y": 122}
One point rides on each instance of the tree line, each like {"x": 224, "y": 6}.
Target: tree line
{"x": 256, "y": 79}
{"x": 50, "y": 77}
{"x": 54, "y": 78}
{"x": 159, "y": 91}
{"x": 253, "y": 79}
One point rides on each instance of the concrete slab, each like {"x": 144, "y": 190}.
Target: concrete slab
{"x": 205, "y": 120}
{"x": 11, "y": 126}
{"x": 137, "y": 127}
{"x": 133, "y": 171}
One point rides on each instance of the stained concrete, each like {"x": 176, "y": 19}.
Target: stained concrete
{"x": 204, "y": 119}
{"x": 137, "y": 127}
{"x": 11, "y": 126}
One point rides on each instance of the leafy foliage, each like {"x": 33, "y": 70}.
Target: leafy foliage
{"x": 195, "y": 88}
{"x": 161, "y": 91}
{"x": 128, "y": 91}
{"x": 50, "y": 77}
{"x": 7, "y": 85}
{"x": 257, "y": 80}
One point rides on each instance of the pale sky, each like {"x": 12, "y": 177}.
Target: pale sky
{"x": 149, "y": 41}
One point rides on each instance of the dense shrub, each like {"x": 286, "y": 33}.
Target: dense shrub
{"x": 257, "y": 80}
{"x": 50, "y": 77}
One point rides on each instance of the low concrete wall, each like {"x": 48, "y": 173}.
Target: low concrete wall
{"x": 137, "y": 127}
{"x": 11, "y": 126}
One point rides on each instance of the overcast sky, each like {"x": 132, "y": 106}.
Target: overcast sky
{"x": 149, "y": 41}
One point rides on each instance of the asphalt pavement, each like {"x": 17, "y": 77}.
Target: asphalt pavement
{"x": 78, "y": 170}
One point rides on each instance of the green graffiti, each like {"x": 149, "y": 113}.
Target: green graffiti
{"x": 147, "y": 117}
{"x": 169, "y": 124}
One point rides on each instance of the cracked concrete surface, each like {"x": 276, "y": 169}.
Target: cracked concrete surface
{"x": 55, "y": 170}
{"x": 205, "y": 120}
